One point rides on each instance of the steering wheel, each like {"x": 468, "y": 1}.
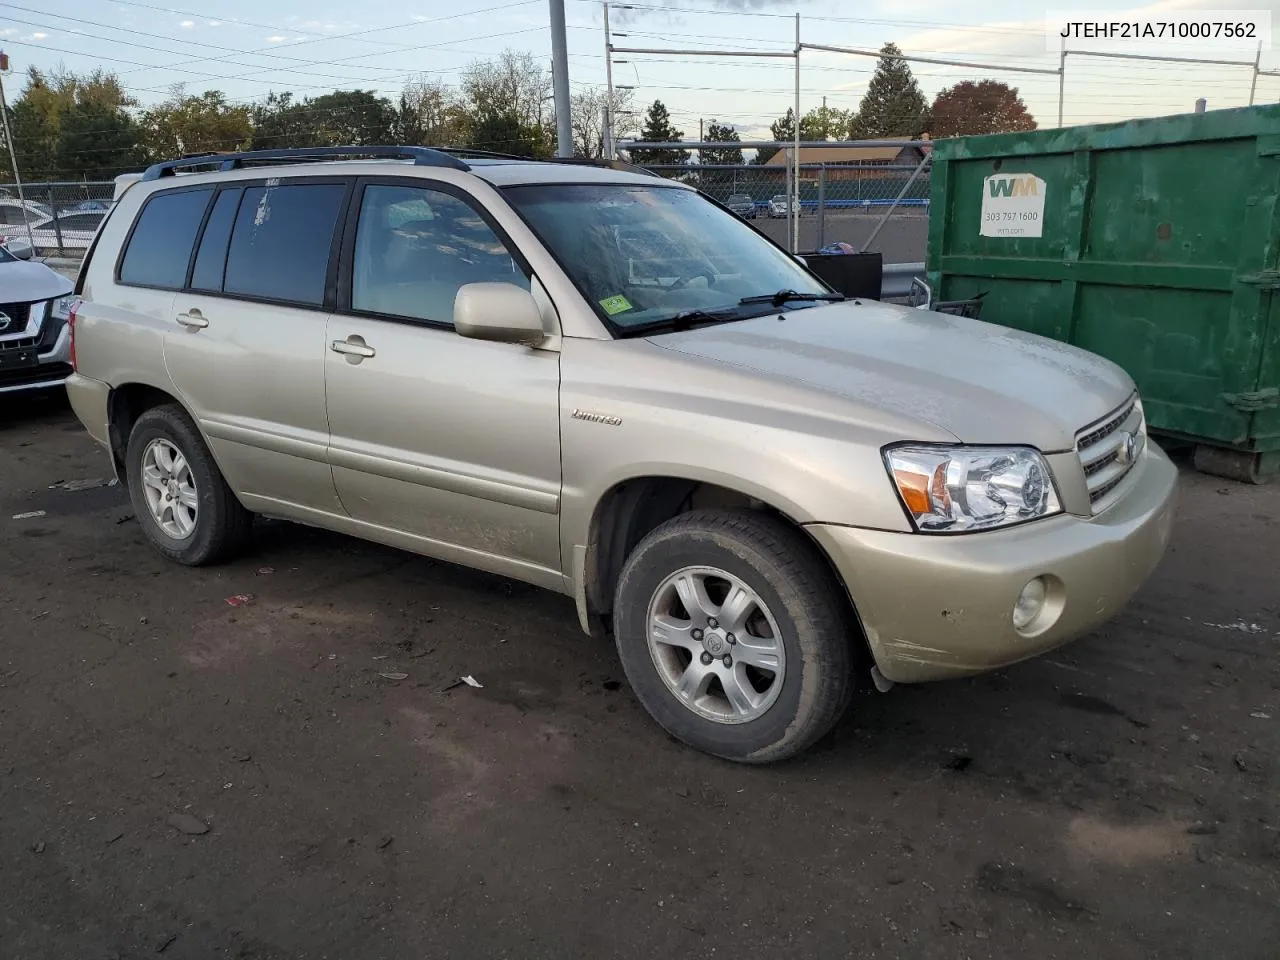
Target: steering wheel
{"x": 683, "y": 281}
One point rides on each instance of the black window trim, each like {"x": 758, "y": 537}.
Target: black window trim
{"x": 346, "y": 261}
{"x": 217, "y": 187}
{"x": 204, "y": 225}
{"x": 212, "y": 189}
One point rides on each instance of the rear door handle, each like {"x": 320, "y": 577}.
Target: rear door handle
{"x": 193, "y": 319}
{"x": 353, "y": 347}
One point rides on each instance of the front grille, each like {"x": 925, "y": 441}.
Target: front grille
{"x": 18, "y": 314}
{"x": 1108, "y": 451}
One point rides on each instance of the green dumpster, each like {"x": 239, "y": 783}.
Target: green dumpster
{"x": 1155, "y": 243}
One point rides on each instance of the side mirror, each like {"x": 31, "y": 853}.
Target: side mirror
{"x": 501, "y": 312}
{"x": 20, "y": 249}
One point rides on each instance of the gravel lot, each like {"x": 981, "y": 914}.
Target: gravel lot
{"x": 1116, "y": 799}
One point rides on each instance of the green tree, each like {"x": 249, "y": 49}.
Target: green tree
{"x": 658, "y": 129}
{"x": 825, "y": 123}
{"x": 502, "y": 132}
{"x": 969, "y": 108}
{"x": 186, "y": 124}
{"x": 721, "y": 133}
{"x": 513, "y": 84}
{"x": 336, "y": 119}
{"x": 431, "y": 114}
{"x": 97, "y": 142}
{"x": 893, "y": 105}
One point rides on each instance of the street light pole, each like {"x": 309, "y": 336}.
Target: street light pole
{"x": 560, "y": 80}
{"x": 13, "y": 157}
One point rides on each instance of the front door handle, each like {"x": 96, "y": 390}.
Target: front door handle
{"x": 353, "y": 346}
{"x": 194, "y": 319}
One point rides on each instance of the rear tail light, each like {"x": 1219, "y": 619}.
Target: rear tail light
{"x": 71, "y": 325}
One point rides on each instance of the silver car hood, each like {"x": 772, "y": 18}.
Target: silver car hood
{"x": 982, "y": 383}
{"x": 28, "y": 282}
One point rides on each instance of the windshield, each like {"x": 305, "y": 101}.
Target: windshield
{"x": 643, "y": 254}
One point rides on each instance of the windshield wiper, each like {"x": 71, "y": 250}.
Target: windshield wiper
{"x": 790, "y": 296}
{"x": 685, "y": 320}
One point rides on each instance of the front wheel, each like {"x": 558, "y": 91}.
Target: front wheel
{"x": 734, "y": 636}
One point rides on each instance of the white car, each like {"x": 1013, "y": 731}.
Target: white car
{"x": 35, "y": 342}
{"x": 778, "y": 206}
{"x": 71, "y": 230}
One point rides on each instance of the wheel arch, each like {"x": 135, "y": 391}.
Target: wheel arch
{"x": 125, "y": 404}
{"x": 628, "y": 510}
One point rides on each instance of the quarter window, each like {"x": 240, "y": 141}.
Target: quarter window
{"x": 281, "y": 241}
{"x": 415, "y": 247}
{"x": 160, "y": 248}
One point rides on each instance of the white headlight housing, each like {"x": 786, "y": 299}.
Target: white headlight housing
{"x": 962, "y": 489}
{"x": 60, "y": 308}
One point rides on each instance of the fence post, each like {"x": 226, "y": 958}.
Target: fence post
{"x": 57, "y": 226}
{"x": 822, "y": 206}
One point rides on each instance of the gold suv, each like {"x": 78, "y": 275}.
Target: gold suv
{"x": 602, "y": 383}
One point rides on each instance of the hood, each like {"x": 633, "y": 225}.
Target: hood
{"x": 982, "y": 383}
{"x": 26, "y": 282}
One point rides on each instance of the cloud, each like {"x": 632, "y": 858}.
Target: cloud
{"x": 39, "y": 36}
{"x": 187, "y": 24}
{"x": 213, "y": 23}
{"x": 8, "y": 32}
{"x": 276, "y": 39}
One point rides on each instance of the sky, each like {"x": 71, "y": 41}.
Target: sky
{"x": 247, "y": 49}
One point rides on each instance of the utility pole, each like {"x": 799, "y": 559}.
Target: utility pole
{"x": 1201, "y": 104}
{"x": 608, "y": 75}
{"x": 560, "y": 80}
{"x": 13, "y": 152}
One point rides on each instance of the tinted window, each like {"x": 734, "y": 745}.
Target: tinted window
{"x": 160, "y": 248}
{"x": 281, "y": 241}
{"x": 415, "y": 247}
{"x": 212, "y": 256}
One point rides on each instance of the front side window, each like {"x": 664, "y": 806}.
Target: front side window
{"x": 415, "y": 247}
{"x": 160, "y": 247}
{"x": 281, "y": 241}
{"x": 642, "y": 254}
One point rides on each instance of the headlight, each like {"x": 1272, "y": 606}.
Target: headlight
{"x": 60, "y": 309}
{"x": 959, "y": 489}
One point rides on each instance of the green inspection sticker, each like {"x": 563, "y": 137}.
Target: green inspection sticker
{"x": 615, "y": 304}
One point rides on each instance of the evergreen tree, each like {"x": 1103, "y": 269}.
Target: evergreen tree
{"x": 784, "y": 129}
{"x": 893, "y": 105}
{"x": 658, "y": 129}
{"x": 721, "y": 133}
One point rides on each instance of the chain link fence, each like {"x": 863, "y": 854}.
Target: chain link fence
{"x": 838, "y": 202}
{"x": 62, "y": 217}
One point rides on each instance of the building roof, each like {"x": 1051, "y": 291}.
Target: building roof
{"x": 836, "y": 154}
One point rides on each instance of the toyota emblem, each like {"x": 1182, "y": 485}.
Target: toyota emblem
{"x": 5, "y": 322}
{"x": 1128, "y": 449}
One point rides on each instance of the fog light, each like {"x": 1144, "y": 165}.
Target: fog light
{"x": 1029, "y": 604}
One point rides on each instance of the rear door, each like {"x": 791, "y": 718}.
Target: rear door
{"x": 247, "y": 345}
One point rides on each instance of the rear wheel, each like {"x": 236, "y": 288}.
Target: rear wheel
{"x": 183, "y": 504}
{"x": 734, "y": 636}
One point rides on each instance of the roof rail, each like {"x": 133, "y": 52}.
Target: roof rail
{"x": 421, "y": 156}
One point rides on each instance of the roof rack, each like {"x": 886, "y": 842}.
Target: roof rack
{"x": 421, "y": 156}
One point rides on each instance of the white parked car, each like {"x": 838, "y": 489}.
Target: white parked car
{"x": 35, "y": 342}
{"x": 70, "y": 230}
{"x": 778, "y": 206}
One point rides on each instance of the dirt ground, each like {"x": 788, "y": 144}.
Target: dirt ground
{"x": 1116, "y": 799}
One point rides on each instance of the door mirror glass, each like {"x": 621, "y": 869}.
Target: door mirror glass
{"x": 501, "y": 312}
{"x": 20, "y": 249}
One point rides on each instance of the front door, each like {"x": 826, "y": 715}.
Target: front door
{"x": 455, "y": 442}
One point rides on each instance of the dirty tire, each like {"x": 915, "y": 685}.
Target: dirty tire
{"x": 784, "y": 569}
{"x": 222, "y": 525}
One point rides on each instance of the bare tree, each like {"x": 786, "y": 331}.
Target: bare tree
{"x": 431, "y": 113}
{"x": 587, "y": 108}
{"x": 513, "y": 83}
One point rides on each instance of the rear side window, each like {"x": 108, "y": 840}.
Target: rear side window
{"x": 281, "y": 242}
{"x": 160, "y": 247}
{"x": 211, "y": 258}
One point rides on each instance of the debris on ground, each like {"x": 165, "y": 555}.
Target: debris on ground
{"x": 264, "y": 571}
{"x": 71, "y": 486}
{"x": 612, "y": 684}
{"x": 40, "y": 616}
{"x": 469, "y": 680}
{"x": 394, "y": 676}
{"x": 29, "y": 515}
{"x": 166, "y": 942}
{"x": 1238, "y": 625}
{"x": 125, "y": 519}
{"x": 38, "y": 847}
{"x": 1259, "y": 715}
{"x": 959, "y": 762}
{"x": 239, "y": 600}
{"x": 385, "y": 842}
{"x": 186, "y": 823}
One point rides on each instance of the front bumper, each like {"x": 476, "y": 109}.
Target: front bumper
{"x": 936, "y": 606}
{"x": 52, "y": 341}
